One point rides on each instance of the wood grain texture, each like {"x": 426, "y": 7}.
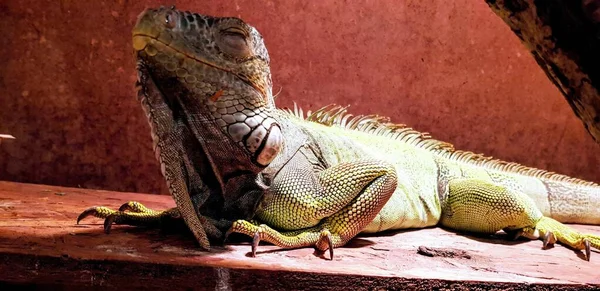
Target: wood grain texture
{"x": 41, "y": 244}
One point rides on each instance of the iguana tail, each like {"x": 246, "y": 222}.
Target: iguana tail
{"x": 566, "y": 199}
{"x": 573, "y": 201}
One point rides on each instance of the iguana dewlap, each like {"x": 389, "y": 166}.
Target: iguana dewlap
{"x": 331, "y": 175}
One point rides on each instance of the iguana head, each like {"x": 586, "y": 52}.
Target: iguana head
{"x": 218, "y": 66}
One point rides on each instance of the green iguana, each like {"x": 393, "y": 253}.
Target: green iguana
{"x": 331, "y": 175}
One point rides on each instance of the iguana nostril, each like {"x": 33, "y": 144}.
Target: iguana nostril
{"x": 170, "y": 19}
{"x": 140, "y": 42}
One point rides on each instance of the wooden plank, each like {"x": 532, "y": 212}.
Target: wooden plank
{"x": 41, "y": 244}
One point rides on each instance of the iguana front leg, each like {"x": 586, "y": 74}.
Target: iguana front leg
{"x": 318, "y": 236}
{"x": 474, "y": 205}
{"x": 346, "y": 198}
{"x": 131, "y": 213}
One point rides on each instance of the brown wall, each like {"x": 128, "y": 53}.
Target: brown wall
{"x": 451, "y": 68}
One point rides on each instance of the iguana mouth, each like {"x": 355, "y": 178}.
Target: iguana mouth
{"x": 142, "y": 40}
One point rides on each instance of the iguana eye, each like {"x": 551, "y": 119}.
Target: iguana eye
{"x": 233, "y": 42}
{"x": 236, "y": 30}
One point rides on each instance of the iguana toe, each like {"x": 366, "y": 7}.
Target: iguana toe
{"x": 247, "y": 228}
{"x": 97, "y": 211}
{"x": 130, "y": 213}
{"x": 134, "y": 206}
{"x": 108, "y": 214}
{"x": 250, "y": 229}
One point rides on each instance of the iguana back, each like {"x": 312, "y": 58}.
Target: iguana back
{"x": 425, "y": 165}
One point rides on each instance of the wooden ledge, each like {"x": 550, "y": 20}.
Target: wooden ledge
{"x": 41, "y": 244}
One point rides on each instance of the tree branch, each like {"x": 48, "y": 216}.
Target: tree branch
{"x": 564, "y": 38}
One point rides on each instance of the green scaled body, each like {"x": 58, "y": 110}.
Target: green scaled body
{"x": 432, "y": 184}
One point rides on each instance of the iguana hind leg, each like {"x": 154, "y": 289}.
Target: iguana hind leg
{"x": 474, "y": 205}
{"x": 357, "y": 191}
{"x": 130, "y": 213}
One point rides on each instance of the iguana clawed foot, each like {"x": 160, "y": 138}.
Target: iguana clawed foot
{"x": 319, "y": 237}
{"x": 552, "y": 231}
{"x": 130, "y": 213}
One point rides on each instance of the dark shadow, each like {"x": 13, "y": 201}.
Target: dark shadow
{"x": 500, "y": 238}
{"x": 317, "y": 253}
{"x": 258, "y": 252}
{"x": 388, "y": 233}
{"x": 172, "y": 235}
{"x": 358, "y": 242}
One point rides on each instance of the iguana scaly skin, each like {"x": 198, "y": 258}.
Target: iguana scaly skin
{"x": 205, "y": 86}
{"x": 336, "y": 175}
{"x": 339, "y": 175}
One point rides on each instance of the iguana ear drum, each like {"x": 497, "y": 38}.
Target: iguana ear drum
{"x": 270, "y": 146}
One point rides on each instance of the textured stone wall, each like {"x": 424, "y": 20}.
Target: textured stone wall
{"x": 451, "y": 68}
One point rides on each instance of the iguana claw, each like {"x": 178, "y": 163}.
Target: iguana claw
{"x": 108, "y": 222}
{"x": 548, "y": 240}
{"x": 588, "y": 249}
{"x": 325, "y": 238}
{"x": 126, "y": 207}
{"x": 255, "y": 242}
{"x": 100, "y": 212}
{"x": 85, "y": 214}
